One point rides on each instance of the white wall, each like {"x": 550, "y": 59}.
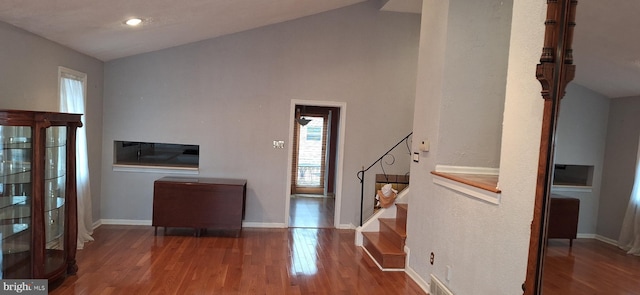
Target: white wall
{"x": 29, "y": 81}
{"x": 231, "y": 95}
{"x": 485, "y": 245}
{"x": 580, "y": 140}
{"x": 477, "y": 49}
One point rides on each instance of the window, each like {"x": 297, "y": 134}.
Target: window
{"x": 314, "y": 132}
{"x": 73, "y": 96}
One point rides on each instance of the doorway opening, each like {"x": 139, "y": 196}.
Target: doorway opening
{"x": 312, "y": 196}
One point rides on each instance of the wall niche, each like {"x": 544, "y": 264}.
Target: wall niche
{"x": 568, "y": 175}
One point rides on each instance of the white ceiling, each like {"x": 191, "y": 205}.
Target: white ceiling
{"x": 96, "y": 27}
{"x": 607, "y": 48}
{"x": 606, "y": 51}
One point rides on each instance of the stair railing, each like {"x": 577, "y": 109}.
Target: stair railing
{"x": 362, "y": 172}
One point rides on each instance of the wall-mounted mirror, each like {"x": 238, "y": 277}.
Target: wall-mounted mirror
{"x": 596, "y": 142}
{"x": 554, "y": 72}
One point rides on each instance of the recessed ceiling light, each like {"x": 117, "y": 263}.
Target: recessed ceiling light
{"x": 133, "y": 22}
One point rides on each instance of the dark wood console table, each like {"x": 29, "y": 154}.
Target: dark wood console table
{"x": 563, "y": 218}
{"x": 199, "y": 203}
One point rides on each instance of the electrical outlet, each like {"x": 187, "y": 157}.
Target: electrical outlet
{"x": 432, "y": 258}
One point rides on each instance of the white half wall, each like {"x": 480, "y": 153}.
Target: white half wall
{"x": 482, "y": 246}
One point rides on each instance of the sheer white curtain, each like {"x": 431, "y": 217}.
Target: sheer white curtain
{"x": 630, "y": 234}
{"x": 72, "y": 101}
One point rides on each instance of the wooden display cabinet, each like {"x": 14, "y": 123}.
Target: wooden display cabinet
{"x": 38, "y": 225}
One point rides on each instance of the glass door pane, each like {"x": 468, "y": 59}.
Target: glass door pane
{"x": 310, "y": 153}
{"x": 15, "y": 201}
{"x": 54, "y": 196}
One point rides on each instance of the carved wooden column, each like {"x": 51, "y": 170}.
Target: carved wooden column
{"x": 554, "y": 72}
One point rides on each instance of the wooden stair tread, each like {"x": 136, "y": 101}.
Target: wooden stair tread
{"x": 398, "y": 226}
{"x": 384, "y": 246}
{"x": 383, "y": 251}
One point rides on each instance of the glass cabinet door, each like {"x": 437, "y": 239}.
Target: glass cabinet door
{"x": 54, "y": 197}
{"x": 15, "y": 200}
{"x": 37, "y": 192}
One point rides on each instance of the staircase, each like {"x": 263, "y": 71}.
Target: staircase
{"x": 386, "y": 245}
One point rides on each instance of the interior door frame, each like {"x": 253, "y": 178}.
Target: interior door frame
{"x": 339, "y": 154}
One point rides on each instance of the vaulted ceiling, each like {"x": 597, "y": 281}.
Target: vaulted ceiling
{"x": 606, "y": 51}
{"x": 606, "y": 47}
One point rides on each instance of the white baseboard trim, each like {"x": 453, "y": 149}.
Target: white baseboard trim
{"x": 124, "y": 222}
{"x": 346, "y": 226}
{"x": 599, "y": 238}
{"x": 282, "y": 225}
{"x": 416, "y": 278}
{"x": 264, "y": 225}
{"x": 586, "y": 236}
{"x": 606, "y": 240}
{"x": 425, "y": 286}
{"x": 244, "y": 224}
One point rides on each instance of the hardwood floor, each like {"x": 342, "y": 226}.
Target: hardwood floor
{"x": 590, "y": 267}
{"x": 311, "y": 212}
{"x": 131, "y": 260}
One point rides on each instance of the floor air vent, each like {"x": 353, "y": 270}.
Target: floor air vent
{"x": 438, "y": 288}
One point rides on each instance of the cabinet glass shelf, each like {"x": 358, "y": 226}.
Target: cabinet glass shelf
{"x": 37, "y": 194}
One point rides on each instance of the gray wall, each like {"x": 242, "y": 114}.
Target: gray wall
{"x": 619, "y": 164}
{"x": 29, "y": 81}
{"x": 580, "y": 140}
{"x": 232, "y": 95}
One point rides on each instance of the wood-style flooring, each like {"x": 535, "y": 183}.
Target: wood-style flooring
{"x": 131, "y": 260}
{"x": 311, "y": 211}
{"x": 590, "y": 267}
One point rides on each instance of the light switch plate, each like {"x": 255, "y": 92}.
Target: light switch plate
{"x": 278, "y": 144}
{"x": 416, "y": 157}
